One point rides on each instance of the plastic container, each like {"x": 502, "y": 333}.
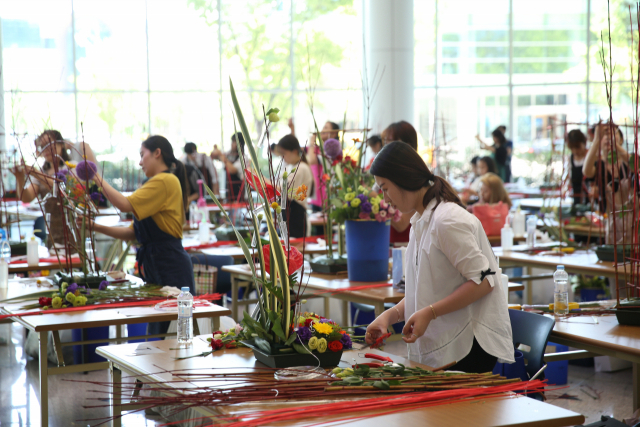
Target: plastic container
{"x": 202, "y": 203}
{"x": 506, "y": 236}
{"x": 557, "y": 373}
{"x": 203, "y": 232}
{"x": 518, "y": 223}
{"x": 561, "y": 292}
{"x": 89, "y": 350}
{"x": 33, "y": 258}
{"x": 5, "y": 258}
{"x": 532, "y": 223}
{"x": 367, "y": 251}
{"x": 185, "y": 317}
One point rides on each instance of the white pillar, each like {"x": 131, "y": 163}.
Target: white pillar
{"x": 3, "y": 129}
{"x": 388, "y": 29}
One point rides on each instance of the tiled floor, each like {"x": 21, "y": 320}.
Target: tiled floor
{"x": 19, "y": 400}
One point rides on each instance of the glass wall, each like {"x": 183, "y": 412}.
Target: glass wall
{"x": 115, "y": 71}
{"x": 530, "y": 66}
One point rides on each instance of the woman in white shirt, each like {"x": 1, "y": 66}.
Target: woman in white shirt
{"x": 289, "y": 148}
{"x": 452, "y": 311}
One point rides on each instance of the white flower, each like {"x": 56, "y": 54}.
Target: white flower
{"x": 217, "y": 337}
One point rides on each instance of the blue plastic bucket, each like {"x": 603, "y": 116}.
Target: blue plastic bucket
{"x": 136, "y": 330}
{"x": 513, "y": 370}
{"x": 367, "y": 250}
{"x": 101, "y": 332}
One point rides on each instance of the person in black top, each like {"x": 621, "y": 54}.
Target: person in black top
{"x": 235, "y": 174}
{"x": 499, "y": 150}
{"x": 509, "y": 146}
{"x": 577, "y": 142}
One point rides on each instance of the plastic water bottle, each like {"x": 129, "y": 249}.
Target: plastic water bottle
{"x": 506, "y": 236}
{"x": 88, "y": 248}
{"x": 33, "y": 256}
{"x": 518, "y": 223}
{"x": 561, "y": 292}
{"x": 532, "y": 223}
{"x": 185, "y": 317}
{"x": 5, "y": 258}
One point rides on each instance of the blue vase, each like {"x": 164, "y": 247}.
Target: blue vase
{"x": 367, "y": 250}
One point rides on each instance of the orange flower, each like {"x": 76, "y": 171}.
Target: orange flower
{"x": 301, "y": 193}
{"x": 326, "y": 177}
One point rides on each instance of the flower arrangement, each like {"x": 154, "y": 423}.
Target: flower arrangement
{"x": 227, "y": 339}
{"x": 316, "y": 333}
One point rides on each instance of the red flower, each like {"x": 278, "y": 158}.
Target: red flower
{"x": 308, "y": 322}
{"x": 339, "y": 158}
{"x": 217, "y": 332}
{"x": 294, "y": 258}
{"x": 44, "y": 301}
{"x": 231, "y": 344}
{"x": 216, "y": 344}
{"x": 354, "y": 163}
{"x": 335, "y": 345}
{"x": 347, "y": 159}
{"x": 345, "y": 170}
{"x": 335, "y": 162}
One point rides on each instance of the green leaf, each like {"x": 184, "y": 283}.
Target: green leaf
{"x": 394, "y": 382}
{"x": 337, "y": 203}
{"x": 272, "y": 110}
{"x": 382, "y": 385}
{"x": 277, "y": 326}
{"x": 291, "y": 339}
{"x": 263, "y": 345}
{"x": 353, "y": 380}
{"x": 300, "y": 348}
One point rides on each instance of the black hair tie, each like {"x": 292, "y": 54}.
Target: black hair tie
{"x": 486, "y": 273}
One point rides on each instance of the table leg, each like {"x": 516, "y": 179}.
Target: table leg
{"x": 116, "y": 410}
{"x": 44, "y": 383}
{"x": 234, "y": 297}
{"x": 636, "y": 386}
{"x": 58, "y": 347}
{"x": 529, "y": 288}
{"x": 196, "y": 328}
{"x": 215, "y": 323}
{"x": 118, "y": 334}
{"x": 346, "y": 315}
{"x": 327, "y": 307}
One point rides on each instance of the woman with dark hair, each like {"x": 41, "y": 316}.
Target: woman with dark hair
{"x": 202, "y": 164}
{"x": 233, "y": 167}
{"x": 375, "y": 143}
{"x": 484, "y": 165}
{"x": 499, "y": 152}
{"x": 577, "y": 143}
{"x": 451, "y": 309}
{"x": 401, "y": 131}
{"x": 294, "y": 158}
{"x": 158, "y": 216}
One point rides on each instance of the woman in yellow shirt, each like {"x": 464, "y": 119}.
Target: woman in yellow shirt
{"x": 159, "y": 212}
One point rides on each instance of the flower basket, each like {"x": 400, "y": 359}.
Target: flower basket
{"x": 91, "y": 280}
{"x": 368, "y": 250}
{"x": 326, "y": 264}
{"x": 288, "y": 360}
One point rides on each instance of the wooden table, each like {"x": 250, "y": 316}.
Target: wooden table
{"x": 606, "y": 338}
{"x": 236, "y": 251}
{"x": 509, "y": 411}
{"x": 42, "y": 324}
{"x": 325, "y": 285}
{"x": 579, "y": 262}
{"x": 497, "y": 240}
{"x": 585, "y": 230}
{"x": 23, "y": 267}
{"x": 535, "y": 204}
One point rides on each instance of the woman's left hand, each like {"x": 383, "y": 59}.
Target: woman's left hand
{"x": 416, "y": 325}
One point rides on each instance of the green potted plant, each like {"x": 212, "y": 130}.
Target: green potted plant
{"x": 590, "y": 288}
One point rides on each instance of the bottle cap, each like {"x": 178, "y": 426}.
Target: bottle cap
{"x": 186, "y": 288}
{"x": 560, "y": 267}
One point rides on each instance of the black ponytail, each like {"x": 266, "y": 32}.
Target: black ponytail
{"x": 291, "y": 143}
{"x": 174, "y": 165}
{"x": 401, "y": 164}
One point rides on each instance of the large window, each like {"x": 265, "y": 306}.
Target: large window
{"x": 530, "y": 66}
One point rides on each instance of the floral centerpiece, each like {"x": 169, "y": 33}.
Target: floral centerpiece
{"x": 272, "y": 329}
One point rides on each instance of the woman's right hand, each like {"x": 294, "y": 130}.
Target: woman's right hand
{"x": 376, "y": 329}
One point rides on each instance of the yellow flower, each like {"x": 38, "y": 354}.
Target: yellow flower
{"x": 56, "y": 302}
{"x": 275, "y": 205}
{"x": 349, "y": 196}
{"x": 70, "y": 165}
{"x": 313, "y": 343}
{"x": 80, "y": 301}
{"x": 323, "y": 328}
{"x": 322, "y": 345}
{"x": 375, "y": 200}
{"x": 375, "y": 208}
{"x": 355, "y": 203}
{"x": 70, "y": 297}
{"x": 361, "y": 189}
{"x": 77, "y": 292}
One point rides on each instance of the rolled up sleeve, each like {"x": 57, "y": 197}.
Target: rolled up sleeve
{"x": 457, "y": 240}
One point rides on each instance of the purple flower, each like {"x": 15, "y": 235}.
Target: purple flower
{"x": 304, "y": 335}
{"x": 86, "y": 170}
{"x": 326, "y": 321}
{"x": 60, "y": 176}
{"x": 103, "y": 285}
{"x": 72, "y": 288}
{"x": 96, "y": 196}
{"x": 365, "y": 207}
{"x": 362, "y": 197}
{"x": 332, "y": 148}
{"x": 346, "y": 341}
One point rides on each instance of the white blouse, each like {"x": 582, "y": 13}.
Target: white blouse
{"x": 447, "y": 248}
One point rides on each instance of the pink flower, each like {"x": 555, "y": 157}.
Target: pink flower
{"x": 397, "y": 216}
{"x": 378, "y": 217}
{"x": 383, "y": 214}
{"x": 391, "y": 210}
{"x": 383, "y": 204}
{"x": 363, "y": 215}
